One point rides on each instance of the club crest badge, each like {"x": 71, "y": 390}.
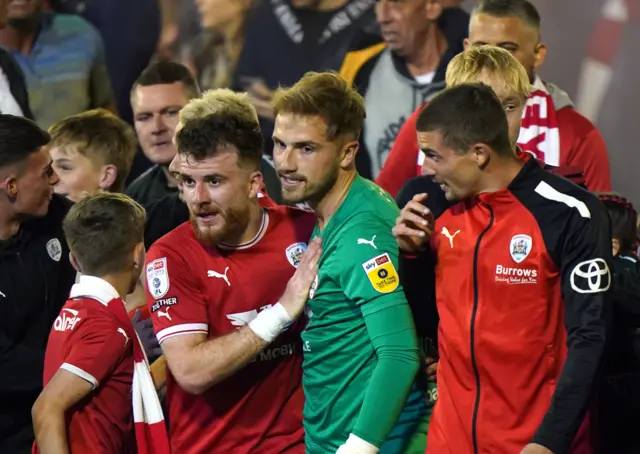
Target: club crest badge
{"x": 54, "y": 249}
{"x": 158, "y": 278}
{"x": 294, "y": 253}
{"x": 520, "y": 247}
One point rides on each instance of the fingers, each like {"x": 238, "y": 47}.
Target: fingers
{"x": 420, "y": 197}
{"x": 418, "y": 208}
{"x": 403, "y": 230}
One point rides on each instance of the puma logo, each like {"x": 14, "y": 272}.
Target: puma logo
{"x": 211, "y": 273}
{"x": 445, "y": 232}
{"x": 124, "y": 333}
{"x": 162, "y": 313}
{"x": 370, "y": 242}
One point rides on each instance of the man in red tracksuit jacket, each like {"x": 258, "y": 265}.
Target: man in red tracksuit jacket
{"x": 522, "y": 278}
{"x": 552, "y": 129}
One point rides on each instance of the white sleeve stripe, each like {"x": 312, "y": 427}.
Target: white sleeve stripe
{"x": 549, "y": 193}
{"x": 187, "y": 328}
{"x": 80, "y": 373}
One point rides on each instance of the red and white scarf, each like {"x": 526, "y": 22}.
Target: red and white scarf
{"x": 148, "y": 420}
{"x": 539, "y": 133}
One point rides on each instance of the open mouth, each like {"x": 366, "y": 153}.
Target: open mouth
{"x": 290, "y": 182}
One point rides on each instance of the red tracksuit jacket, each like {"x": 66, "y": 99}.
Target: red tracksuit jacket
{"x": 522, "y": 277}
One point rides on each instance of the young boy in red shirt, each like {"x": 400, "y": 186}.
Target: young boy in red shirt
{"x": 86, "y": 404}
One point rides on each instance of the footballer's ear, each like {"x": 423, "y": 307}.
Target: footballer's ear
{"x": 348, "y": 154}
{"x": 10, "y": 186}
{"x": 256, "y": 184}
{"x": 74, "y": 263}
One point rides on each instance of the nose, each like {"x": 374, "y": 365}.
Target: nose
{"x": 382, "y": 11}
{"x": 427, "y": 169}
{"x": 285, "y": 159}
{"x": 54, "y": 178}
{"x": 158, "y": 125}
{"x": 201, "y": 195}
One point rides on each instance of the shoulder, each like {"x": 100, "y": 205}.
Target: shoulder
{"x": 570, "y": 120}
{"x": 301, "y": 221}
{"x": 359, "y": 60}
{"x": 73, "y": 24}
{"x": 559, "y": 204}
{"x": 141, "y": 182}
{"x": 174, "y": 243}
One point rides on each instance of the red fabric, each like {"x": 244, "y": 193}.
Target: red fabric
{"x": 150, "y": 429}
{"x": 581, "y": 145}
{"x": 516, "y": 386}
{"x": 196, "y": 289}
{"x": 86, "y": 336}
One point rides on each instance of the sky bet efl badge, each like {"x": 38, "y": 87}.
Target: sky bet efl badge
{"x": 381, "y": 273}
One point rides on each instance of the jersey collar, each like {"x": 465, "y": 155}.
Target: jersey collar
{"x": 95, "y": 288}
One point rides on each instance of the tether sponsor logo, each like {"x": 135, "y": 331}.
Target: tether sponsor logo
{"x": 512, "y": 275}
{"x": 591, "y": 276}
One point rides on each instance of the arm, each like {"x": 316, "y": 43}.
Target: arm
{"x": 393, "y": 336}
{"x": 371, "y": 280}
{"x": 198, "y": 362}
{"x": 402, "y": 162}
{"x": 64, "y": 391}
{"x": 585, "y": 250}
{"x": 100, "y": 91}
{"x": 587, "y": 150}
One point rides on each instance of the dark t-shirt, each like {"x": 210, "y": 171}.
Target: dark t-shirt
{"x": 150, "y": 187}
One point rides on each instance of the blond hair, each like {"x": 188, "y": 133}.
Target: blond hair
{"x": 472, "y": 64}
{"x": 223, "y": 102}
{"x": 327, "y": 95}
{"x": 101, "y": 137}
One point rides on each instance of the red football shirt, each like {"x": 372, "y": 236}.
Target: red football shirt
{"x": 193, "y": 288}
{"x": 88, "y": 341}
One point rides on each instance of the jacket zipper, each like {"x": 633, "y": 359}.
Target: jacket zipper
{"x": 474, "y": 364}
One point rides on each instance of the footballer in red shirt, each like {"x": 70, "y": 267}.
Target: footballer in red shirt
{"x": 86, "y": 404}
{"x": 215, "y": 290}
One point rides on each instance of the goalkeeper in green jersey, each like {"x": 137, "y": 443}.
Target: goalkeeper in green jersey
{"x": 361, "y": 355}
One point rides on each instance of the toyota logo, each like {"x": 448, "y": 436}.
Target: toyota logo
{"x": 591, "y": 276}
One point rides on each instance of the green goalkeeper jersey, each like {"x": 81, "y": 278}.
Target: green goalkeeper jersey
{"x": 360, "y": 347}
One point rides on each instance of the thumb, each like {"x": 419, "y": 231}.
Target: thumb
{"x": 136, "y": 316}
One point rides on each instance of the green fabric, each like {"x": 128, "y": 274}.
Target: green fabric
{"x": 357, "y": 280}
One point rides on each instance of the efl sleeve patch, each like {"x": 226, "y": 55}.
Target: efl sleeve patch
{"x": 381, "y": 273}
{"x": 158, "y": 278}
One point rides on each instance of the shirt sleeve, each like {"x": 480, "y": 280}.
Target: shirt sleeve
{"x": 585, "y": 264}
{"x": 369, "y": 277}
{"x": 97, "y": 347}
{"x": 101, "y": 93}
{"x": 173, "y": 295}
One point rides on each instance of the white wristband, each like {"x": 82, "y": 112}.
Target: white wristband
{"x": 356, "y": 445}
{"x": 270, "y": 322}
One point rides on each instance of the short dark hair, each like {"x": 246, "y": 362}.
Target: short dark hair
{"x": 623, "y": 218}
{"x": 19, "y": 138}
{"x": 168, "y": 72}
{"x": 521, "y": 9}
{"x": 202, "y": 138}
{"x": 102, "y": 230}
{"x": 465, "y": 115}
{"x": 327, "y": 95}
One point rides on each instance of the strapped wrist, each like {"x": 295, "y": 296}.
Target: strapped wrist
{"x": 270, "y": 322}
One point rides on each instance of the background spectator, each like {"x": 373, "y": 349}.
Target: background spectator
{"x": 62, "y": 58}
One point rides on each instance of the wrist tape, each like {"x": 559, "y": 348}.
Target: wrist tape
{"x": 270, "y": 322}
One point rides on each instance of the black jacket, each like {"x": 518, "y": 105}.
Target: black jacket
{"x": 35, "y": 280}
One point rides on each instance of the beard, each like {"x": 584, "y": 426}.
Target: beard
{"x": 313, "y": 193}
{"x": 231, "y": 224}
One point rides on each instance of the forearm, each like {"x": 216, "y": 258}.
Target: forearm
{"x": 571, "y": 397}
{"x": 50, "y": 430}
{"x": 213, "y": 360}
{"x": 393, "y": 335}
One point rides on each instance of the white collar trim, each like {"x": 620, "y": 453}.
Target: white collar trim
{"x": 95, "y": 288}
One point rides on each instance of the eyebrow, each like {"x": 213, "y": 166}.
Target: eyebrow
{"x": 300, "y": 144}
{"x": 500, "y": 44}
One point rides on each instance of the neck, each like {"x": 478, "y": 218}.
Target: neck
{"x": 499, "y": 174}
{"x": 331, "y": 202}
{"x": 120, "y": 281}
{"x": 427, "y": 56}
{"x": 9, "y": 223}
{"x": 20, "y": 39}
{"x": 171, "y": 182}
{"x": 328, "y": 5}
{"x": 256, "y": 215}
